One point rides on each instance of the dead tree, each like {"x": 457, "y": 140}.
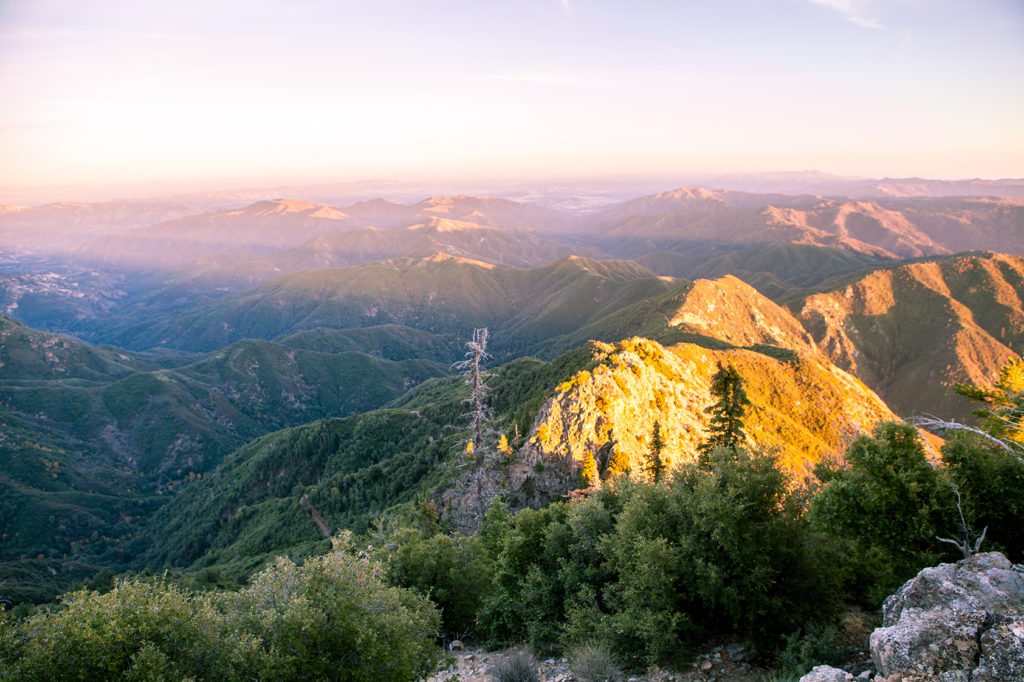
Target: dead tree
{"x": 968, "y": 536}
{"x": 933, "y": 423}
{"x": 479, "y": 415}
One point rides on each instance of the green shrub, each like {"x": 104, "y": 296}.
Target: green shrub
{"x": 722, "y": 550}
{"x": 991, "y": 485}
{"x": 527, "y": 600}
{"x": 517, "y": 667}
{"x": 333, "y": 617}
{"x": 138, "y": 626}
{"x": 807, "y": 648}
{"x": 453, "y": 571}
{"x": 887, "y": 503}
{"x": 647, "y": 571}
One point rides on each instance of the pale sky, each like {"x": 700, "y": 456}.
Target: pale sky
{"x": 95, "y": 91}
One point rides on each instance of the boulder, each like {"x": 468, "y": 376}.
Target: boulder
{"x": 954, "y": 622}
{"x": 1002, "y": 650}
{"x": 826, "y": 673}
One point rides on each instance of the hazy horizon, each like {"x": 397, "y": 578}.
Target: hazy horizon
{"x": 316, "y": 92}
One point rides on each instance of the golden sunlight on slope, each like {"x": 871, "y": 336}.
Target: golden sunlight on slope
{"x": 804, "y": 407}
{"x": 914, "y": 331}
{"x": 731, "y": 310}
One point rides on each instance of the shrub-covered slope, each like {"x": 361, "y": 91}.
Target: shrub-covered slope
{"x": 438, "y": 295}
{"x": 265, "y": 498}
{"x": 913, "y": 330}
{"x": 91, "y": 438}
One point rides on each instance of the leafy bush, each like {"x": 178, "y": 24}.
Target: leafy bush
{"x": 721, "y": 550}
{"x": 991, "y": 484}
{"x": 594, "y": 663}
{"x": 807, "y": 648}
{"x": 330, "y": 618}
{"x": 138, "y": 626}
{"x": 333, "y": 617}
{"x": 887, "y": 503}
{"x": 647, "y": 570}
{"x": 453, "y": 571}
{"x": 517, "y": 667}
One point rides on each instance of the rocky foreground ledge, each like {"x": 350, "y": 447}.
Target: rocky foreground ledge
{"x": 961, "y": 622}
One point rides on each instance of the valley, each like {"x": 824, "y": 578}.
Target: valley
{"x": 179, "y": 391}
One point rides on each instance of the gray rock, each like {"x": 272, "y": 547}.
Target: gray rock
{"x": 1002, "y": 650}
{"x": 826, "y": 673}
{"x": 737, "y": 652}
{"x": 934, "y": 626}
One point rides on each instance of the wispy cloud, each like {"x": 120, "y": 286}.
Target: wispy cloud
{"x": 853, "y": 11}
{"x": 556, "y": 11}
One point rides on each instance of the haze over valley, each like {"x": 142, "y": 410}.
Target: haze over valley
{"x": 563, "y": 340}
{"x": 145, "y": 341}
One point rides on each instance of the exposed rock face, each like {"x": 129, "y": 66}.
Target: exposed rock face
{"x": 962, "y": 621}
{"x": 826, "y": 673}
{"x": 800, "y": 404}
{"x": 1002, "y": 650}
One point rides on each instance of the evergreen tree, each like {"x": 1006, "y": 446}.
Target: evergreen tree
{"x": 726, "y": 427}
{"x": 503, "y": 445}
{"x": 655, "y": 463}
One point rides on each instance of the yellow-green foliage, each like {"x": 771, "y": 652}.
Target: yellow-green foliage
{"x": 618, "y": 464}
{"x": 1003, "y": 414}
{"x": 589, "y": 470}
{"x": 333, "y": 617}
{"x": 503, "y": 446}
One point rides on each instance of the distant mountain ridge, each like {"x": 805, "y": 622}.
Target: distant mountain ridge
{"x": 698, "y": 218}
{"x": 931, "y": 323}
{"x": 361, "y": 232}
{"x": 438, "y": 294}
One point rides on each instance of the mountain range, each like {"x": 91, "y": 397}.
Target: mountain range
{"x": 182, "y": 382}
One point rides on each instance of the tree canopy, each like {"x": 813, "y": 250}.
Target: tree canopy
{"x": 725, "y": 429}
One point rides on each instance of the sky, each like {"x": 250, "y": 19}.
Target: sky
{"x": 108, "y": 92}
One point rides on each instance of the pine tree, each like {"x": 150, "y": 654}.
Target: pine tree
{"x": 655, "y": 463}
{"x": 503, "y": 445}
{"x": 726, "y": 427}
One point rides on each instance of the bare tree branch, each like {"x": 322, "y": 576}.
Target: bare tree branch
{"x": 964, "y": 545}
{"x": 933, "y": 423}
{"x": 479, "y": 415}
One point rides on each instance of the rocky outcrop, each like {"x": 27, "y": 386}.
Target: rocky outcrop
{"x": 731, "y": 310}
{"x": 801, "y": 405}
{"x": 955, "y": 622}
{"x": 826, "y": 673}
